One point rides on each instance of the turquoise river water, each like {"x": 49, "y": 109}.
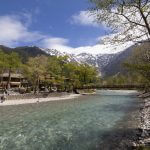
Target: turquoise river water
{"x": 77, "y": 124}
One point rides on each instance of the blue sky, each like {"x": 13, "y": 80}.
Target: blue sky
{"x": 58, "y": 24}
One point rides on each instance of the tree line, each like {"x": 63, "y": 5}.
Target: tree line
{"x": 49, "y": 71}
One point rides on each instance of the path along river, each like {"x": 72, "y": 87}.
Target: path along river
{"x": 90, "y": 122}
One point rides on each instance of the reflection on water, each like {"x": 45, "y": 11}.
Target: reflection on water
{"x": 78, "y": 124}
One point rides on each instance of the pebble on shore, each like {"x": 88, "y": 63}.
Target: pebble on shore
{"x": 144, "y": 126}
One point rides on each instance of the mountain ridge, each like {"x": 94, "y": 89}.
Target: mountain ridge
{"x": 107, "y": 64}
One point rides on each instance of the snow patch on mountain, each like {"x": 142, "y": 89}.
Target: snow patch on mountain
{"x": 99, "y": 60}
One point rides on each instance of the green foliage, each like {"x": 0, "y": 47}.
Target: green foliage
{"x": 9, "y": 63}
{"x": 35, "y": 69}
{"x": 49, "y": 71}
{"x": 13, "y": 60}
{"x": 53, "y": 66}
{"x": 88, "y": 74}
{"x": 139, "y": 62}
{"x": 3, "y": 61}
{"x": 129, "y": 79}
{"x": 54, "y": 70}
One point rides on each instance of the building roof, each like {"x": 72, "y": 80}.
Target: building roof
{"x": 13, "y": 75}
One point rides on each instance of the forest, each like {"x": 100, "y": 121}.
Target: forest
{"x": 48, "y": 72}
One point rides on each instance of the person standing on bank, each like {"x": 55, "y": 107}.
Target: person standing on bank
{"x": 3, "y": 98}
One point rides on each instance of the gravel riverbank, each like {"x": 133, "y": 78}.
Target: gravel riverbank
{"x": 39, "y": 100}
{"x": 144, "y": 126}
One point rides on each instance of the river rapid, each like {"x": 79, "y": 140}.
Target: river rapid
{"x": 104, "y": 121}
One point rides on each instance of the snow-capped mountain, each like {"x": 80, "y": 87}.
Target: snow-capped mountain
{"x": 99, "y": 61}
{"x": 52, "y": 52}
{"x": 108, "y": 64}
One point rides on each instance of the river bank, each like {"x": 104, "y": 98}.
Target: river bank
{"x": 18, "y": 99}
{"x": 39, "y": 99}
{"x": 143, "y": 141}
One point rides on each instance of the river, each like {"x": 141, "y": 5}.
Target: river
{"x": 85, "y": 123}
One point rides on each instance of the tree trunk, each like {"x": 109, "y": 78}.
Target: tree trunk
{"x": 84, "y": 78}
{"x": 1, "y": 79}
{"x": 38, "y": 84}
{"x": 36, "y": 88}
{"x": 9, "y": 78}
{"x": 145, "y": 21}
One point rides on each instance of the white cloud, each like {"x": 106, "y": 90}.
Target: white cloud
{"x": 84, "y": 18}
{"x": 56, "y": 43}
{"x": 13, "y": 31}
{"x": 61, "y": 45}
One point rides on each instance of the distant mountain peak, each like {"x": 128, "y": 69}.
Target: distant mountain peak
{"x": 99, "y": 60}
{"x": 109, "y": 64}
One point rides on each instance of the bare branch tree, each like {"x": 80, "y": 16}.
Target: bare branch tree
{"x": 129, "y": 20}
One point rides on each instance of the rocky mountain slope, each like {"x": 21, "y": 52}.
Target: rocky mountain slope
{"x": 25, "y": 52}
{"x": 116, "y": 64}
{"x": 99, "y": 61}
{"x": 108, "y": 64}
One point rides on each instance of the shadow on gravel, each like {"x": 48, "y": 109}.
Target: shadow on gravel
{"x": 119, "y": 139}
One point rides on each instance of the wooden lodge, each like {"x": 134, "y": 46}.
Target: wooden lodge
{"x": 16, "y": 80}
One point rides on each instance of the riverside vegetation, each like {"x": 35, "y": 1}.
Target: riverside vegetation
{"x": 48, "y": 71}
